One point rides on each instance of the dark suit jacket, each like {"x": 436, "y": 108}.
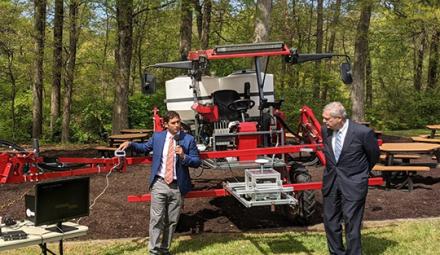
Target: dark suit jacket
{"x": 192, "y": 159}
{"x": 359, "y": 154}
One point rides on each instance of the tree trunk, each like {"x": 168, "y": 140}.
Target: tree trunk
{"x": 262, "y": 26}
{"x": 10, "y": 55}
{"x": 319, "y": 43}
{"x": 37, "y": 88}
{"x": 139, "y": 45}
{"x": 360, "y": 55}
{"x": 70, "y": 69}
{"x": 433, "y": 61}
{"x": 419, "y": 54}
{"x": 309, "y": 27}
{"x": 199, "y": 17}
{"x": 57, "y": 67}
{"x": 206, "y": 23}
{"x": 124, "y": 16}
{"x": 331, "y": 43}
{"x": 335, "y": 21}
{"x": 220, "y": 20}
{"x": 286, "y": 37}
{"x": 185, "y": 28}
{"x": 103, "y": 70}
{"x": 369, "y": 82}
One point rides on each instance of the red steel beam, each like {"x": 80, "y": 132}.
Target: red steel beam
{"x": 238, "y": 153}
{"x": 210, "y": 54}
{"x": 222, "y": 192}
{"x": 260, "y": 151}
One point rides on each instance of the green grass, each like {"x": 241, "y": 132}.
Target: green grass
{"x": 408, "y": 132}
{"x": 417, "y": 237}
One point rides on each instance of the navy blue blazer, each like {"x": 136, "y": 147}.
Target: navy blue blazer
{"x": 192, "y": 159}
{"x": 359, "y": 154}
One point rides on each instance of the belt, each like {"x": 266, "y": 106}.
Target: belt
{"x": 160, "y": 178}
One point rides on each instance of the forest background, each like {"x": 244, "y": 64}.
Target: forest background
{"x": 71, "y": 71}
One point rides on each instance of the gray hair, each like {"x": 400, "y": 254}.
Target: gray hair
{"x": 336, "y": 109}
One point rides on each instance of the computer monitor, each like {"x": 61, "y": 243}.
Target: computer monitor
{"x": 59, "y": 201}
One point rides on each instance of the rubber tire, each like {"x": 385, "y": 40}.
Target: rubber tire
{"x": 303, "y": 212}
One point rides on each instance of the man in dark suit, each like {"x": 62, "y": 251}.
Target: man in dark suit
{"x": 173, "y": 152}
{"x": 351, "y": 151}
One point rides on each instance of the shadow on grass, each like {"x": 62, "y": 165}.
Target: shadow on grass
{"x": 265, "y": 244}
{"x": 276, "y": 245}
{"x": 373, "y": 245}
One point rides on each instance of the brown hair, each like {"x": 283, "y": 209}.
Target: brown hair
{"x": 170, "y": 115}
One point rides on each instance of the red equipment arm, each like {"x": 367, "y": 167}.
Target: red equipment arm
{"x": 311, "y": 129}
{"x": 157, "y": 120}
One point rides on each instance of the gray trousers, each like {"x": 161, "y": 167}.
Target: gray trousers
{"x": 166, "y": 202}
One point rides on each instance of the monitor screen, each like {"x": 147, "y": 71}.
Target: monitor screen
{"x": 63, "y": 200}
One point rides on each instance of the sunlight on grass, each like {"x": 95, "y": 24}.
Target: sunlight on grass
{"x": 407, "y": 133}
{"x": 420, "y": 237}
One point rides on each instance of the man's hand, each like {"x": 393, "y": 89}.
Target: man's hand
{"x": 124, "y": 146}
{"x": 179, "y": 152}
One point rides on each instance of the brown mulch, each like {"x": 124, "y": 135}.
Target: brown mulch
{"x": 113, "y": 217}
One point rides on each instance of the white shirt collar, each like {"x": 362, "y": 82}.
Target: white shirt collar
{"x": 344, "y": 128}
{"x": 171, "y": 135}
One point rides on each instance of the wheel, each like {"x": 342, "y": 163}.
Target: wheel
{"x": 302, "y": 213}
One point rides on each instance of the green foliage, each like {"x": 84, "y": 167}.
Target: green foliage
{"x": 141, "y": 108}
{"x": 89, "y": 125}
{"x": 407, "y": 110}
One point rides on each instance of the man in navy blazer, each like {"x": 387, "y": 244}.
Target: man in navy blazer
{"x": 167, "y": 195}
{"x": 351, "y": 151}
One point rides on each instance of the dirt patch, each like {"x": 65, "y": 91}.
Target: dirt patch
{"x": 113, "y": 217}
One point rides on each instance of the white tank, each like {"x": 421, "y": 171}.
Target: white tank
{"x": 179, "y": 97}
{"x": 179, "y": 94}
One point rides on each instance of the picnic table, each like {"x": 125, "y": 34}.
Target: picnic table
{"x": 391, "y": 150}
{"x": 433, "y": 129}
{"x": 136, "y": 131}
{"x": 113, "y": 139}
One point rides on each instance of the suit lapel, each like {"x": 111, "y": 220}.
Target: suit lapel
{"x": 348, "y": 139}
{"x": 328, "y": 140}
{"x": 163, "y": 136}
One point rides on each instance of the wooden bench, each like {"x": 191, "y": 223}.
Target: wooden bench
{"x": 425, "y": 140}
{"x": 404, "y": 157}
{"x": 408, "y": 172}
{"x": 106, "y": 152}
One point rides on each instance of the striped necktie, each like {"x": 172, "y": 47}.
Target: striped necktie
{"x": 169, "y": 170}
{"x": 338, "y": 145}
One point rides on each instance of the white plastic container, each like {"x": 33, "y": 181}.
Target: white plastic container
{"x": 179, "y": 97}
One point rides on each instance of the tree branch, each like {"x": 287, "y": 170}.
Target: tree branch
{"x": 153, "y": 8}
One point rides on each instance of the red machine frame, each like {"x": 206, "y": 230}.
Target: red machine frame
{"x": 23, "y": 166}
